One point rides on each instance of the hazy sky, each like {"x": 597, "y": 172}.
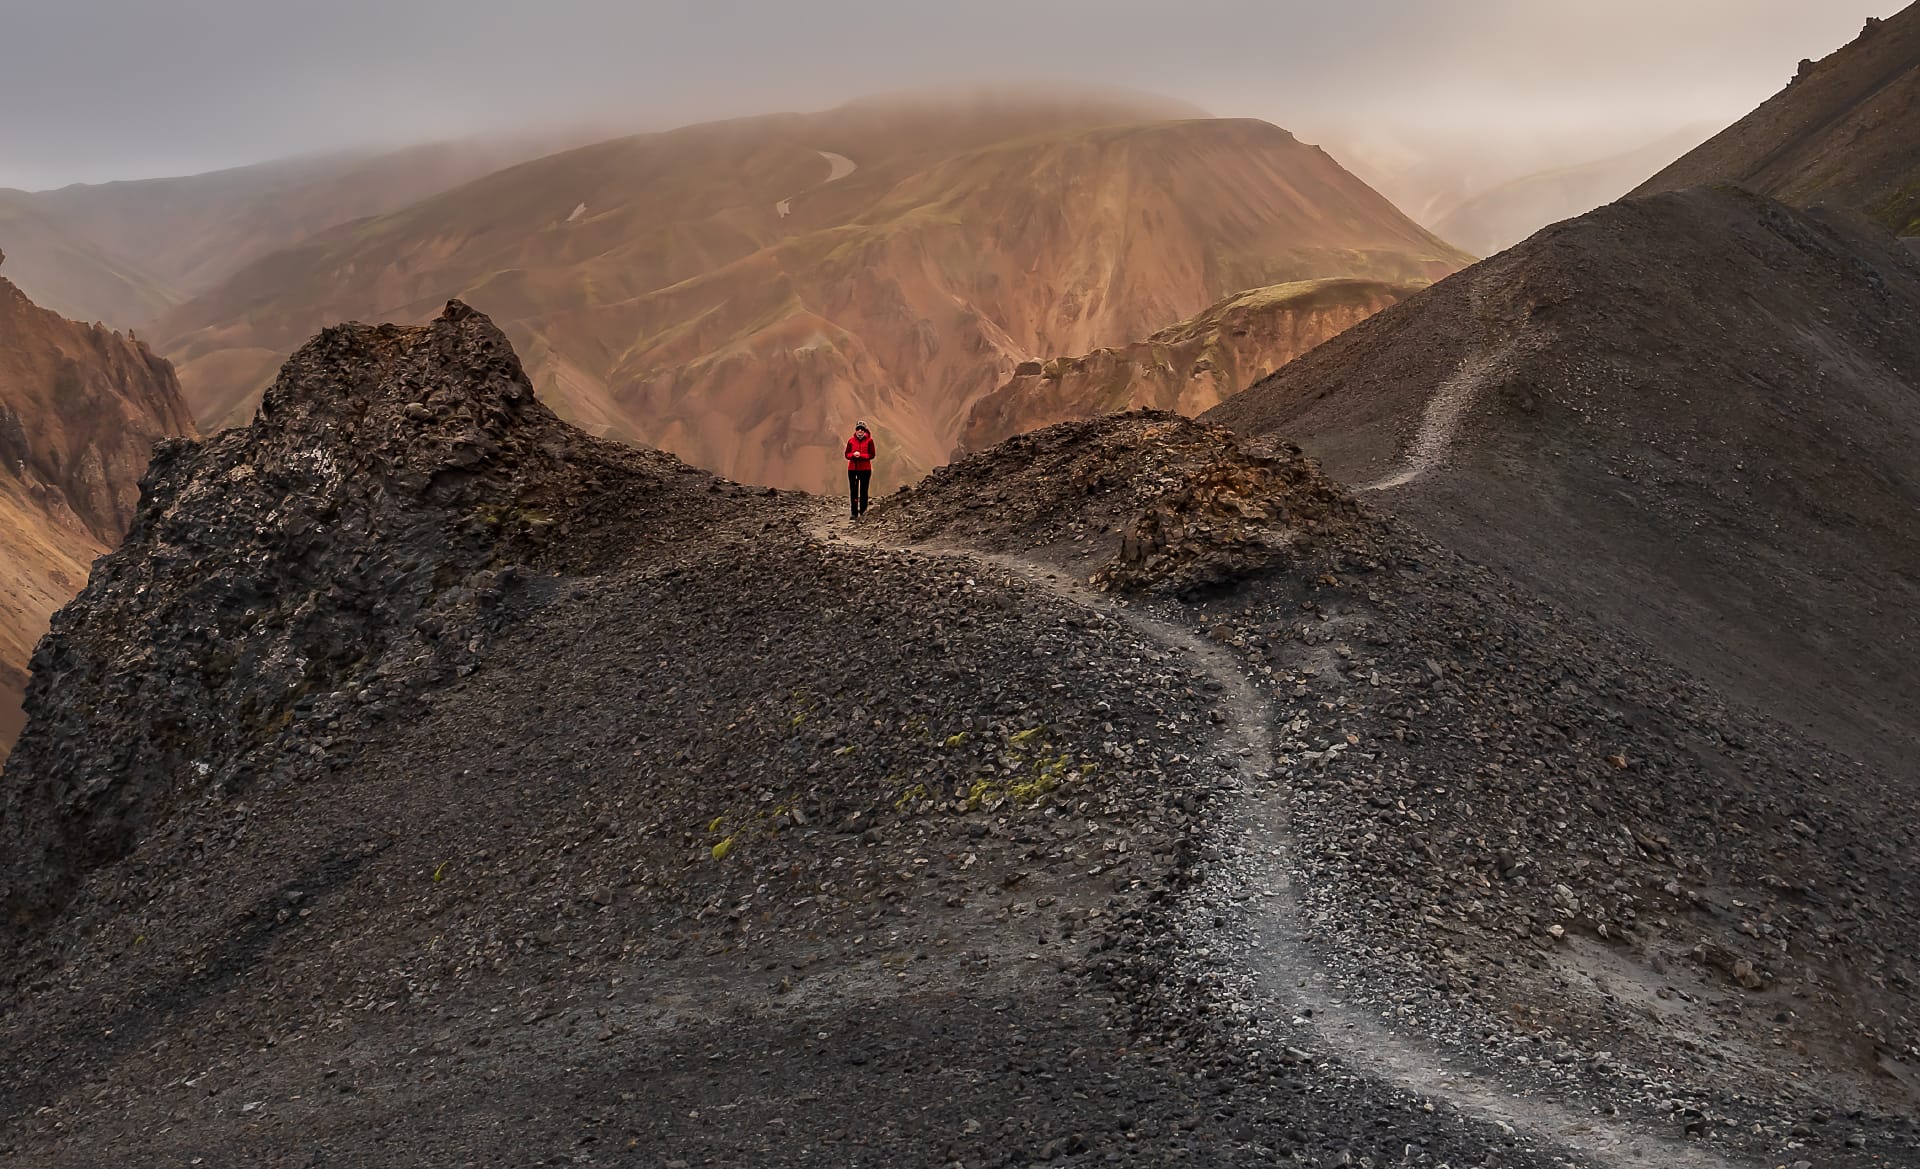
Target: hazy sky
{"x": 99, "y": 89}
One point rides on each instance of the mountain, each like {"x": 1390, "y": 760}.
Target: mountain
{"x": 68, "y": 274}
{"x": 1841, "y": 132}
{"x": 1495, "y": 220}
{"x": 125, "y": 252}
{"x": 1188, "y": 367}
{"x": 426, "y": 781}
{"x": 80, "y": 410}
{"x": 1692, "y": 415}
{"x": 741, "y": 292}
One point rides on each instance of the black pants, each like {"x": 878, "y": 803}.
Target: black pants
{"x": 857, "y": 488}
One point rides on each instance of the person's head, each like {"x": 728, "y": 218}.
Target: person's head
{"x": 860, "y": 429}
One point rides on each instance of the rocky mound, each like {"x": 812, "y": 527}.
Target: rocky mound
{"x": 1149, "y": 502}
{"x": 1691, "y": 415}
{"x": 328, "y": 560}
{"x": 80, "y": 410}
{"x": 1188, "y": 367}
{"x": 1842, "y": 132}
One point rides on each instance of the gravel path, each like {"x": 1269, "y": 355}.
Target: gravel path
{"x": 1440, "y": 421}
{"x": 1248, "y": 903}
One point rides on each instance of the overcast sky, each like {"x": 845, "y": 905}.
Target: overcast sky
{"x": 100, "y": 89}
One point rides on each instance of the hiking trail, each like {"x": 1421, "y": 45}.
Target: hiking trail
{"x": 1277, "y": 968}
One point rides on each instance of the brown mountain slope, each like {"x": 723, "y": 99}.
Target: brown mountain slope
{"x": 126, "y": 252}
{"x": 1845, "y": 131}
{"x": 1694, "y": 415}
{"x": 733, "y": 293}
{"x": 1188, "y": 367}
{"x": 80, "y": 410}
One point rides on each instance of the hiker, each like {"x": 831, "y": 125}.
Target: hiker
{"x": 859, "y": 466}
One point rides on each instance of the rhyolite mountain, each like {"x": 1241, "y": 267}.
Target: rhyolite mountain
{"x": 1187, "y": 367}
{"x": 741, "y": 292}
{"x": 80, "y": 409}
{"x": 1843, "y": 132}
{"x": 426, "y": 780}
{"x": 1692, "y": 415}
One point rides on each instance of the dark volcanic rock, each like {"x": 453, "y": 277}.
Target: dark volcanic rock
{"x": 344, "y": 548}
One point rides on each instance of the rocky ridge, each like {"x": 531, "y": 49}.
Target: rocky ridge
{"x": 553, "y": 800}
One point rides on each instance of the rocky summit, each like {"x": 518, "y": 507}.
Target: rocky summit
{"x": 424, "y": 781}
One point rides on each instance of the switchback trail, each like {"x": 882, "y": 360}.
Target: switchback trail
{"x": 1447, "y": 408}
{"x": 1293, "y": 997}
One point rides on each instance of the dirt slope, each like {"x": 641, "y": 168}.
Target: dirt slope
{"x": 1692, "y": 415}
{"x": 1188, "y": 367}
{"x": 80, "y": 410}
{"x": 1843, "y": 132}
{"x": 673, "y": 290}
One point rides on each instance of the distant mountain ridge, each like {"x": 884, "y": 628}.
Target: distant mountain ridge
{"x": 1495, "y": 220}
{"x": 125, "y": 252}
{"x": 708, "y": 291}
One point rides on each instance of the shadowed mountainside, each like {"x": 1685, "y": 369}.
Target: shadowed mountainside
{"x": 717, "y": 292}
{"x": 1845, "y": 131}
{"x": 1693, "y": 415}
{"x": 1188, "y": 367}
{"x": 80, "y": 410}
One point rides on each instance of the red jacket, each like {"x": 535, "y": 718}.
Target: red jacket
{"x": 860, "y": 453}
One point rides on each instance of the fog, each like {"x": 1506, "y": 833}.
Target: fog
{"x": 92, "y": 90}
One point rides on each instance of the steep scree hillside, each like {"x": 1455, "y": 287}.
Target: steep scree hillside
{"x": 1692, "y": 415}
{"x": 716, "y": 291}
{"x": 80, "y": 410}
{"x": 1844, "y": 132}
{"x": 1188, "y": 367}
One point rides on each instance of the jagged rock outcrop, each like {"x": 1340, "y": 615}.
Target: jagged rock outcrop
{"x": 332, "y": 557}
{"x": 1188, "y": 367}
{"x": 80, "y": 409}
